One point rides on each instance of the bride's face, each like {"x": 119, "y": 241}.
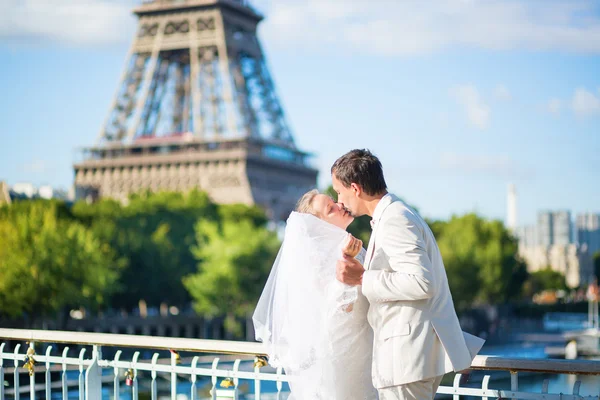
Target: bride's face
{"x": 328, "y": 210}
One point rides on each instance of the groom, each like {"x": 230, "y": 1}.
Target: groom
{"x": 417, "y": 335}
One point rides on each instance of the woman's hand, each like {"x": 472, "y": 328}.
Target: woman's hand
{"x": 348, "y": 308}
{"x": 352, "y": 246}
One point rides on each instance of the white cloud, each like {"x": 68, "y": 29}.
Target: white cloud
{"x": 81, "y": 22}
{"x": 387, "y": 27}
{"x": 391, "y": 27}
{"x": 585, "y": 103}
{"x": 477, "y": 112}
{"x": 501, "y": 92}
{"x": 554, "y": 105}
{"x": 35, "y": 166}
{"x": 501, "y": 166}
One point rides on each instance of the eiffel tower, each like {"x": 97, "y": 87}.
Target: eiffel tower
{"x": 196, "y": 108}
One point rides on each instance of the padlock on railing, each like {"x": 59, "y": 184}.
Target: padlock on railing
{"x": 129, "y": 377}
{"x": 260, "y": 361}
{"x": 30, "y": 361}
{"x": 227, "y": 383}
{"x": 177, "y": 356}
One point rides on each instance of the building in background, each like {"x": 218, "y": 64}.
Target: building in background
{"x": 511, "y": 208}
{"x": 26, "y": 190}
{"x": 197, "y": 109}
{"x": 587, "y": 227}
{"x": 4, "y": 194}
{"x": 527, "y": 236}
{"x": 550, "y": 243}
{"x": 571, "y": 260}
{"x": 554, "y": 227}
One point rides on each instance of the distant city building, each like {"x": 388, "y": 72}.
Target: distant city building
{"x": 527, "y": 236}
{"x": 571, "y": 260}
{"x": 544, "y": 229}
{"x": 563, "y": 229}
{"x": 550, "y": 243}
{"x": 511, "y": 208}
{"x": 4, "y": 195}
{"x": 554, "y": 227}
{"x": 25, "y": 190}
{"x": 588, "y": 231}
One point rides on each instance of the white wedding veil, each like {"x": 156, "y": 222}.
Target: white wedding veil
{"x": 303, "y": 303}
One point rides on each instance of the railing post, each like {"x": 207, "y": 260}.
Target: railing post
{"x": 257, "y": 382}
{"x": 173, "y": 376}
{"x": 456, "y": 386}
{"x": 65, "y": 388}
{"x": 48, "y": 377}
{"x": 16, "y": 361}
{"x": 236, "y": 380}
{"x": 153, "y": 384}
{"x": 485, "y": 385}
{"x": 193, "y": 379}
{"x": 93, "y": 376}
{"x": 545, "y": 385}
{"x": 116, "y": 383}
{"x": 576, "y": 388}
{"x": 213, "y": 379}
{"x": 2, "y": 371}
{"x": 31, "y": 351}
{"x": 514, "y": 382}
{"x": 279, "y": 384}
{"x": 81, "y": 375}
{"x": 135, "y": 389}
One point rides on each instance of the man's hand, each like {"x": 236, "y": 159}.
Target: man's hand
{"x": 349, "y": 271}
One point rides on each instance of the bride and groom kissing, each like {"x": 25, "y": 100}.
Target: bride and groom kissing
{"x": 347, "y": 323}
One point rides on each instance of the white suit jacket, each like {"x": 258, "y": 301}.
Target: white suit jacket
{"x": 417, "y": 333}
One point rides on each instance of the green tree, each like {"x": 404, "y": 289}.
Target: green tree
{"x": 239, "y": 212}
{"x": 235, "y": 258}
{"x": 48, "y": 261}
{"x": 597, "y": 265}
{"x": 545, "y": 279}
{"x": 480, "y": 260}
{"x": 154, "y": 233}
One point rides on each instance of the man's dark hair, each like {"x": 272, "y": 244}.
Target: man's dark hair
{"x": 360, "y": 167}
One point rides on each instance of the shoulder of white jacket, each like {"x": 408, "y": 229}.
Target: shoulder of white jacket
{"x": 399, "y": 209}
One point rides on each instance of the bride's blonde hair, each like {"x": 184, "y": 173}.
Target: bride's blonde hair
{"x": 304, "y": 205}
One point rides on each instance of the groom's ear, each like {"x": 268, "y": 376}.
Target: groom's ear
{"x": 356, "y": 189}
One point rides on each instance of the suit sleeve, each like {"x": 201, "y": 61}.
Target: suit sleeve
{"x": 411, "y": 276}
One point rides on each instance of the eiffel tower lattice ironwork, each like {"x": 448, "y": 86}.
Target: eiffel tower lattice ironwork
{"x": 197, "y": 108}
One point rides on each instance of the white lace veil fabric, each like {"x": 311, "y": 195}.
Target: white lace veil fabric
{"x": 302, "y": 304}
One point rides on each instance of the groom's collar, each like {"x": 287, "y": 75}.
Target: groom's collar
{"x": 382, "y": 205}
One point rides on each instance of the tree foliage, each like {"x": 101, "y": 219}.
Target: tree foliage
{"x": 154, "y": 233}
{"x": 174, "y": 248}
{"x": 49, "y": 260}
{"x": 234, "y": 257}
{"x": 545, "y": 279}
{"x": 480, "y": 260}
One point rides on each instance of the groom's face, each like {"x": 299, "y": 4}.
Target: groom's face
{"x": 347, "y": 196}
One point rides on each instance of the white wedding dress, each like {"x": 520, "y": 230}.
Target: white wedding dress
{"x": 311, "y": 324}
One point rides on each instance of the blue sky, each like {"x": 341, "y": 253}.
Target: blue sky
{"x": 458, "y": 100}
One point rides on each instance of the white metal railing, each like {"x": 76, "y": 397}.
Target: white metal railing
{"x": 245, "y": 360}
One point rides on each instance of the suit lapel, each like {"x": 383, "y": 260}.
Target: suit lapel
{"x": 370, "y": 249}
{"x": 384, "y": 203}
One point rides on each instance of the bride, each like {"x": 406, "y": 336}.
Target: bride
{"x": 311, "y": 324}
